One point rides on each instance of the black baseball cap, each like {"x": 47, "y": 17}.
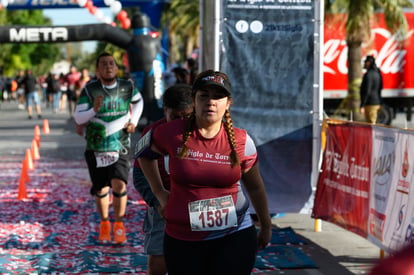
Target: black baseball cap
{"x": 217, "y": 79}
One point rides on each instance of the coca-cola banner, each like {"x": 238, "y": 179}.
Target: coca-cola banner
{"x": 365, "y": 183}
{"x": 267, "y": 50}
{"x": 392, "y": 57}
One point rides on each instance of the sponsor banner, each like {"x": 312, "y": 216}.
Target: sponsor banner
{"x": 365, "y": 183}
{"x": 342, "y": 194}
{"x": 268, "y": 52}
{"x": 384, "y": 142}
{"x": 391, "y": 211}
{"x": 392, "y": 57}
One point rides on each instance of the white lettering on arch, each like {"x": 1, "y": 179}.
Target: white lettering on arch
{"x": 38, "y": 34}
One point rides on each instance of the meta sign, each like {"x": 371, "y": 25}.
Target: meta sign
{"x": 41, "y": 34}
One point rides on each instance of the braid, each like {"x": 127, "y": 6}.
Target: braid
{"x": 228, "y": 123}
{"x": 187, "y": 134}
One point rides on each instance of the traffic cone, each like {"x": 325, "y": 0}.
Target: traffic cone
{"x": 36, "y": 131}
{"x": 37, "y": 135}
{"x": 28, "y": 159}
{"x": 46, "y": 129}
{"x": 25, "y": 172}
{"x": 35, "y": 150}
{"x": 24, "y": 178}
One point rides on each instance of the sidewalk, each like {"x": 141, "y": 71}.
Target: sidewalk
{"x": 334, "y": 250}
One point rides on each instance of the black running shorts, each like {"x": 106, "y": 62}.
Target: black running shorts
{"x": 102, "y": 176}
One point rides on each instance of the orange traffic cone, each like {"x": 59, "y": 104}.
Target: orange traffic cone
{"x": 36, "y": 131}
{"x": 25, "y": 172}
{"x": 46, "y": 129}
{"x": 28, "y": 159}
{"x": 35, "y": 150}
{"x": 37, "y": 135}
{"x": 24, "y": 178}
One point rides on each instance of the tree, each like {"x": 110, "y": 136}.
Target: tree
{"x": 358, "y": 30}
{"x": 181, "y": 18}
{"x": 38, "y": 57}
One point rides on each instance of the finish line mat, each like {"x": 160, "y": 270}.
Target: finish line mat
{"x": 54, "y": 230}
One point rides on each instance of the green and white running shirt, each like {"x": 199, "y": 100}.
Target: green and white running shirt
{"x": 104, "y": 129}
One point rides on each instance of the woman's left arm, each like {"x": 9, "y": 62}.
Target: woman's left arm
{"x": 254, "y": 186}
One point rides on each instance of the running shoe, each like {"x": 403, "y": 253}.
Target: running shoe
{"x": 105, "y": 231}
{"x": 119, "y": 233}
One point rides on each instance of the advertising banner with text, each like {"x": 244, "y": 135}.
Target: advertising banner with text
{"x": 395, "y": 59}
{"x": 366, "y": 181}
{"x": 267, "y": 51}
{"x": 342, "y": 194}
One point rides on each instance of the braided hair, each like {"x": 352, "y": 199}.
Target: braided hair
{"x": 227, "y": 120}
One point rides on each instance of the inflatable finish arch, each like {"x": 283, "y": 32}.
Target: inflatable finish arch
{"x": 144, "y": 51}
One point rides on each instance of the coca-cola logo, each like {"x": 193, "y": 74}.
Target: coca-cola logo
{"x": 389, "y": 52}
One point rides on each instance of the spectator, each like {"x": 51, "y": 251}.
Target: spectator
{"x": 192, "y": 68}
{"x": 20, "y": 89}
{"x": 370, "y": 90}
{"x": 72, "y": 79}
{"x": 53, "y": 91}
{"x": 181, "y": 75}
{"x": 31, "y": 93}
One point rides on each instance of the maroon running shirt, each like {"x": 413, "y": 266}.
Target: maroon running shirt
{"x": 206, "y": 200}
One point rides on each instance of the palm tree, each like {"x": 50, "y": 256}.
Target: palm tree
{"x": 358, "y": 30}
{"x": 182, "y": 20}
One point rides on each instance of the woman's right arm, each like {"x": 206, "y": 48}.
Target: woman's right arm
{"x": 255, "y": 188}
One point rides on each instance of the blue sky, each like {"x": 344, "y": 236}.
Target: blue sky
{"x": 76, "y": 16}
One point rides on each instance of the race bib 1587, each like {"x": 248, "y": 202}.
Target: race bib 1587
{"x": 212, "y": 214}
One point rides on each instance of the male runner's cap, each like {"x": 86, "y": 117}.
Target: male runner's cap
{"x": 213, "y": 79}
